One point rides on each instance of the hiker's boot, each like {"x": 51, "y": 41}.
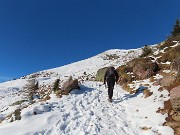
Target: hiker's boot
{"x": 110, "y": 100}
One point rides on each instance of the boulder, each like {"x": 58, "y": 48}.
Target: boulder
{"x": 100, "y": 74}
{"x": 177, "y": 131}
{"x": 175, "y": 64}
{"x": 175, "y": 98}
{"x": 165, "y": 81}
{"x": 173, "y": 124}
{"x": 145, "y": 68}
{"x": 141, "y": 72}
{"x": 140, "y": 68}
{"x": 132, "y": 63}
{"x": 69, "y": 85}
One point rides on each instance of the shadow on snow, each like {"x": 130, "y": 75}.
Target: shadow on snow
{"x": 83, "y": 89}
{"x": 128, "y": 96}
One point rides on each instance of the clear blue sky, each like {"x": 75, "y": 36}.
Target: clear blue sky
{"x": 42, "y": 34}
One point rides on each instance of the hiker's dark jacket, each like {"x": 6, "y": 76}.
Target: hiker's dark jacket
{"x": 111, "y": 73}
{"x": 111, "y": 76}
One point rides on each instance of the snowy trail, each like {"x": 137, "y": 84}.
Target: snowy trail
{"x": 89, "y": 112}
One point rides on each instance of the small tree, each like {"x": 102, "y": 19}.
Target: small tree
{"x": 56, "y": 85}
{"x": 176, "y": 29}
{"x": 31, "y": 88}
{"x": 36, "y": 87}
{"x": 146, "y": 51}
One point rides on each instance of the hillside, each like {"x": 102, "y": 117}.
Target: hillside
{"x": 87, "y": 111}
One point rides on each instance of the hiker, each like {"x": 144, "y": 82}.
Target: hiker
{"x": 111, "y": 76}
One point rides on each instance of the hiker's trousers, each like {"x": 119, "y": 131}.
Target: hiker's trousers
{"x": 110, "y": 83}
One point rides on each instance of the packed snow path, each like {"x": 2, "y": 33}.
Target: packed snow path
{"x": 88, "y": 112}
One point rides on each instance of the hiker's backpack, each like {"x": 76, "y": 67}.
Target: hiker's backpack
{"x": 110, "y": 72}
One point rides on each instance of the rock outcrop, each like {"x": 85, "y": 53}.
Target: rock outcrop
{"x": 145, "y": 68}
{"x": 100, "y": 74}
{"x": 175, "y": 65}
{"x": 165, "y": 81}
{"x": 69, "y": 85}
{"x": 175, "y": 98}
{"x": 141, "y": 68}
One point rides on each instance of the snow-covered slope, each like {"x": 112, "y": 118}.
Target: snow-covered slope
{"x": 85, "y": 111}
{"x": 114, "y": 57}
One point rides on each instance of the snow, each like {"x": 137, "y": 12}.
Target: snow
{"x": 167, "y": 62}
{"x": 177, "y": 43}
{"x": 166, "y": 71}
{"x": 10, "y": 92}
{"x": 86, "y": 111}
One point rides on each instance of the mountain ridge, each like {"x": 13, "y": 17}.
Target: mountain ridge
{"x": 92, "y": 95}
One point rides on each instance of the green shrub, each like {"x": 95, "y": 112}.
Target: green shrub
{"x": 18, "y": 102}
{"x": 56, "y": 85}
{"x": 146, "y": 51}
{"x": 17, "y": 114}
{"x": 125, "y": 79}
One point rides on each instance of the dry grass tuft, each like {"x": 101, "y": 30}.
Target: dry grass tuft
{"x": 145, "y": 128}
